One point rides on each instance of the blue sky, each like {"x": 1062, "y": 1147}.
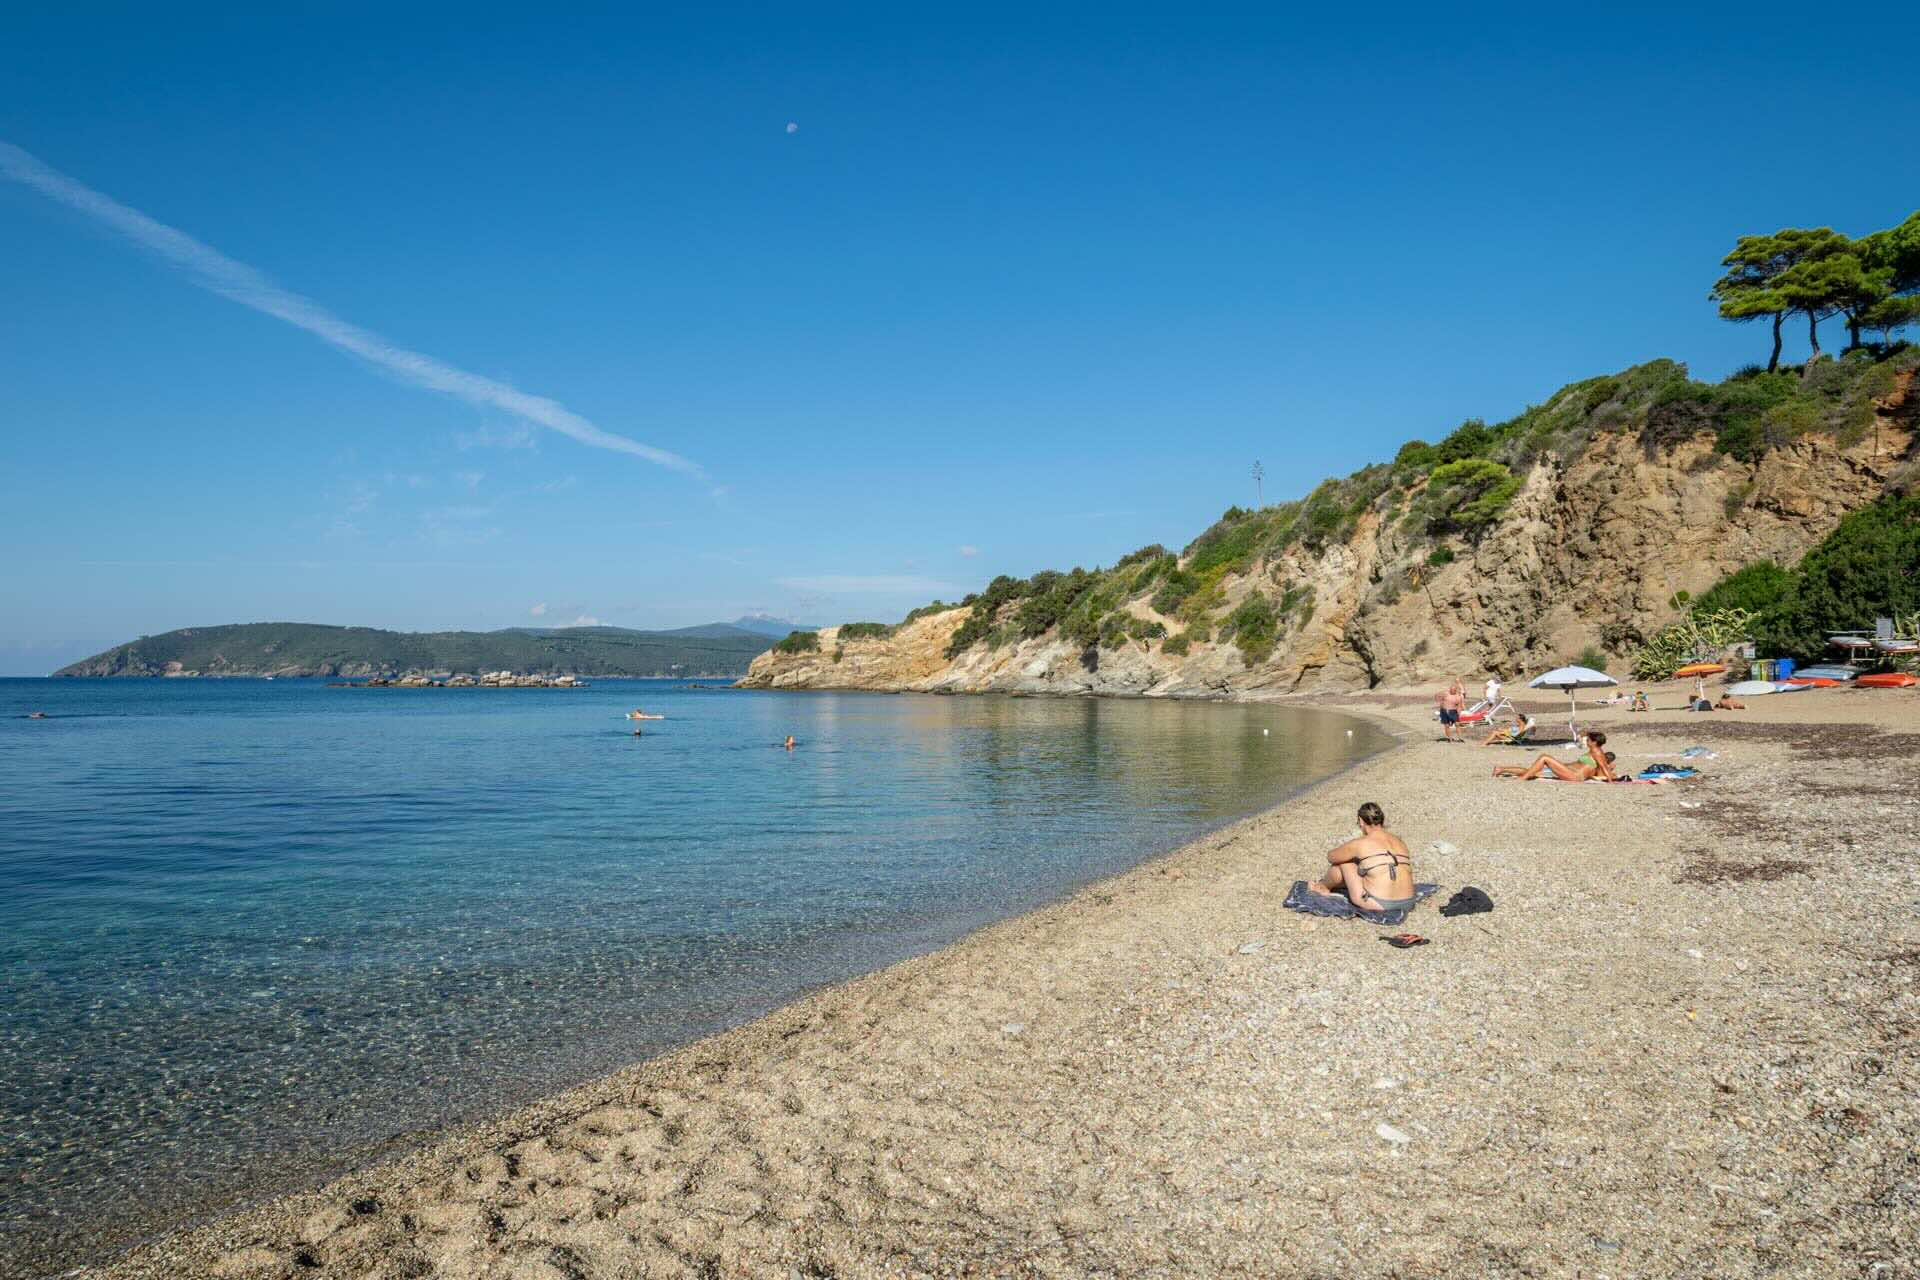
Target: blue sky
{"x": 1017, "y": 290}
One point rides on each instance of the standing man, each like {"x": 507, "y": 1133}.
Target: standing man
{"x": 1452, "y": 703}
{"x": 1493, "y": 691}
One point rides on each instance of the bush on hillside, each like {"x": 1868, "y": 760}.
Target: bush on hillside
{"x": 864, "y": 631}
{"x": 799, "y": 642}
{"x": 1868, "y": 567}
{"x": 1467, "y": 496}
{"x": 1254, "y": 627}
{"x": 1756, "y": 588}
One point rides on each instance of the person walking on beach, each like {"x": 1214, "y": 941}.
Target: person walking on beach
{"x": 1452, "y": 703}
{"x": 1374, "y": 869}
{"x": 1493, "y": 691}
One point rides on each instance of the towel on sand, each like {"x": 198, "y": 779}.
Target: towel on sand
{"x": 1302, "y": 899}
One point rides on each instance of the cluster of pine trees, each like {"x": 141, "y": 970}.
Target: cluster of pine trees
{"x": 1819, "y": 273}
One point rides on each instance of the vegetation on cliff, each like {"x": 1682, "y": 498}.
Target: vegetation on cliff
{"x": 299, "y": 648}
{"x": 1867, "y": 568}
{"x": 1439, "y": 499}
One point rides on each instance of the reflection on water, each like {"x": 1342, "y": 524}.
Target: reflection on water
{"x": 250, "y": 931}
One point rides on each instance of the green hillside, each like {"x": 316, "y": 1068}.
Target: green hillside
{"x": 309, "y": 649}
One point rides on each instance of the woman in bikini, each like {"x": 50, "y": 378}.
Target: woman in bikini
{"x": 1369, "y": 868}
{"x": 1593, "y": 763}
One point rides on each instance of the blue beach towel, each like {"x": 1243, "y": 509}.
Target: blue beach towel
{"x": 1304, "y": 900}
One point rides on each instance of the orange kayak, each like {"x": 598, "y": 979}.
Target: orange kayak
{"x": 1700, "y": 669}
{"x": 1889, "y": 680}
{"x": 1813, "y": 682}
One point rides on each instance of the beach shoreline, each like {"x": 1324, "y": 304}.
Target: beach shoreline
{"x": 1161, "y": 1073}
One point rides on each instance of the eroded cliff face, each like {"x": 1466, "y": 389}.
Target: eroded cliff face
{"x": 1589, "y": 553}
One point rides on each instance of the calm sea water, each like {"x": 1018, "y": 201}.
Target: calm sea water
{"x": 251, "y": 931}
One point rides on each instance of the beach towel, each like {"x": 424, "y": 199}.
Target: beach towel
{"x": 1307, "y": 902}
{"x": 1654, "y": 771}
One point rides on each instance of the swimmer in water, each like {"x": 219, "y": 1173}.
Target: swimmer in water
{"x": 789, "y": 744}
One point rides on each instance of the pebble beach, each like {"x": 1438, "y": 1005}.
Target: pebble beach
{"x": 1681, "y": 1045}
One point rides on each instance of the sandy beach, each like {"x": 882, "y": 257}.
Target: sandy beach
{"x": 1683, "y": 1044}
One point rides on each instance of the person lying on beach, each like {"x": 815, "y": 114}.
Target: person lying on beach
{"x": 1368, "y": 867}
{"x": 1593, "y": 763}
{"x": 1729, "y": 703}
{"x": 1507, "y": 735}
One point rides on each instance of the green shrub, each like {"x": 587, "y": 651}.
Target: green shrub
{"x": 1591, "y": 656}
{"x": 1254, "y": 626}
{"x": 1200, "y": 633}
{"x": 1467, "y": 496}
{"x": 926, "y": 610}
{"x": 1178, "y": 645}
{"x": 1868, "y": 567}
{"x": 1439, "y": 556}
{"x": 1756, "y": 587}
{"x": 1470, "y": 439}
{"x": 864, "y": 631}
{"x": 1054, "y": 597}
{"x": 799, "y": 642}
{"x": 1113, "y": 631}
{"x": 1152, "y": 551}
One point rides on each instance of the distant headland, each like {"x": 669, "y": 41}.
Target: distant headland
{"x": 312, "y": 649}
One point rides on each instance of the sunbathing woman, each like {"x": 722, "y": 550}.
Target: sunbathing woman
{"x": 1368, "y": 867}
{"x": 1510, "y": 735}
{"x": 1594, "y": 763}
{"x": 1729, "y": 703}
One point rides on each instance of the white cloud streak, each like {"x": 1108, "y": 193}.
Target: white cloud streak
{"x": 217, "y": 273}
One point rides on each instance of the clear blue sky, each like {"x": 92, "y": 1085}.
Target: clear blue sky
{"x": 1027, "y": 286}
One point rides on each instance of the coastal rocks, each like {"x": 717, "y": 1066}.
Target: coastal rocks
{"x": 1591, "y": 551}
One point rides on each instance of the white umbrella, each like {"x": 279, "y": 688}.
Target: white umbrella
{"x": 1571, "y": 678}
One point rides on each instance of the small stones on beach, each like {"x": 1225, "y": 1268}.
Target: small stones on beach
{"x": 1249, "y": 948}
{"x": 1386, "y": 1082}
{"x": 1443, "y": 849}
{"x": 1696, "y": 953}
{"x": 1398, "y": 1137}
{"x": 1013, "y": 1028}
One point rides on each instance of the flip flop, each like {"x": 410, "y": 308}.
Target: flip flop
{"x": 1404, "y": 940}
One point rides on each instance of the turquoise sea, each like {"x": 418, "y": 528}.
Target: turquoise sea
{"x": 252, "y": 931}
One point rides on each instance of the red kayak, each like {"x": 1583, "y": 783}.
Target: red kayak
{"x": 1888, "y": 680}
{"x": 1812, "y": 682}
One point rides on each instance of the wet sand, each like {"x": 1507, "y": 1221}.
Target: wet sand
{"x": 1682, "y": 1045}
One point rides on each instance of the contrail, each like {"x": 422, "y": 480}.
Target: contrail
{"x": 215, "y": 271}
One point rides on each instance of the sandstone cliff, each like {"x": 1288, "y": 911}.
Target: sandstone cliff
{"x": 1588, "y": 550}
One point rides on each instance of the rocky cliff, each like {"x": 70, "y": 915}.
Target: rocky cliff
{"x": 1633, "y": 499}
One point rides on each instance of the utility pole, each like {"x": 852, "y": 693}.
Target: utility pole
{"x": 1259, "y": 489}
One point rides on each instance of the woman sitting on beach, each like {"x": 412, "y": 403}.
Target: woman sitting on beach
{"x": 1368, "y": 867}
{"x": 1593, "y": 763}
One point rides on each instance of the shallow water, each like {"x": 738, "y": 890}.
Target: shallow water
{"x": 252, "y": 931}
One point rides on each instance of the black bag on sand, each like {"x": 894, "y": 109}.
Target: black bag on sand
{"x": 1469, "y": 901}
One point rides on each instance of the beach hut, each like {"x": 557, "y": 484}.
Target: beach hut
{"x": 1570, "y": 679}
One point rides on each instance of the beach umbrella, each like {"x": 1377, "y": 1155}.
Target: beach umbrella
{"x": 1571, "y": 678}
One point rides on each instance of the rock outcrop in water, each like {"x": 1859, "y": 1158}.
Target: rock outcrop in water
{"x": 1636, "y": 499}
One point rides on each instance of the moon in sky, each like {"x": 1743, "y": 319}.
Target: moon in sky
{"x": 792, "y": 127}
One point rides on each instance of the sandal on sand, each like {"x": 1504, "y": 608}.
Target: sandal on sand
{"x": 1404, "y": 940}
